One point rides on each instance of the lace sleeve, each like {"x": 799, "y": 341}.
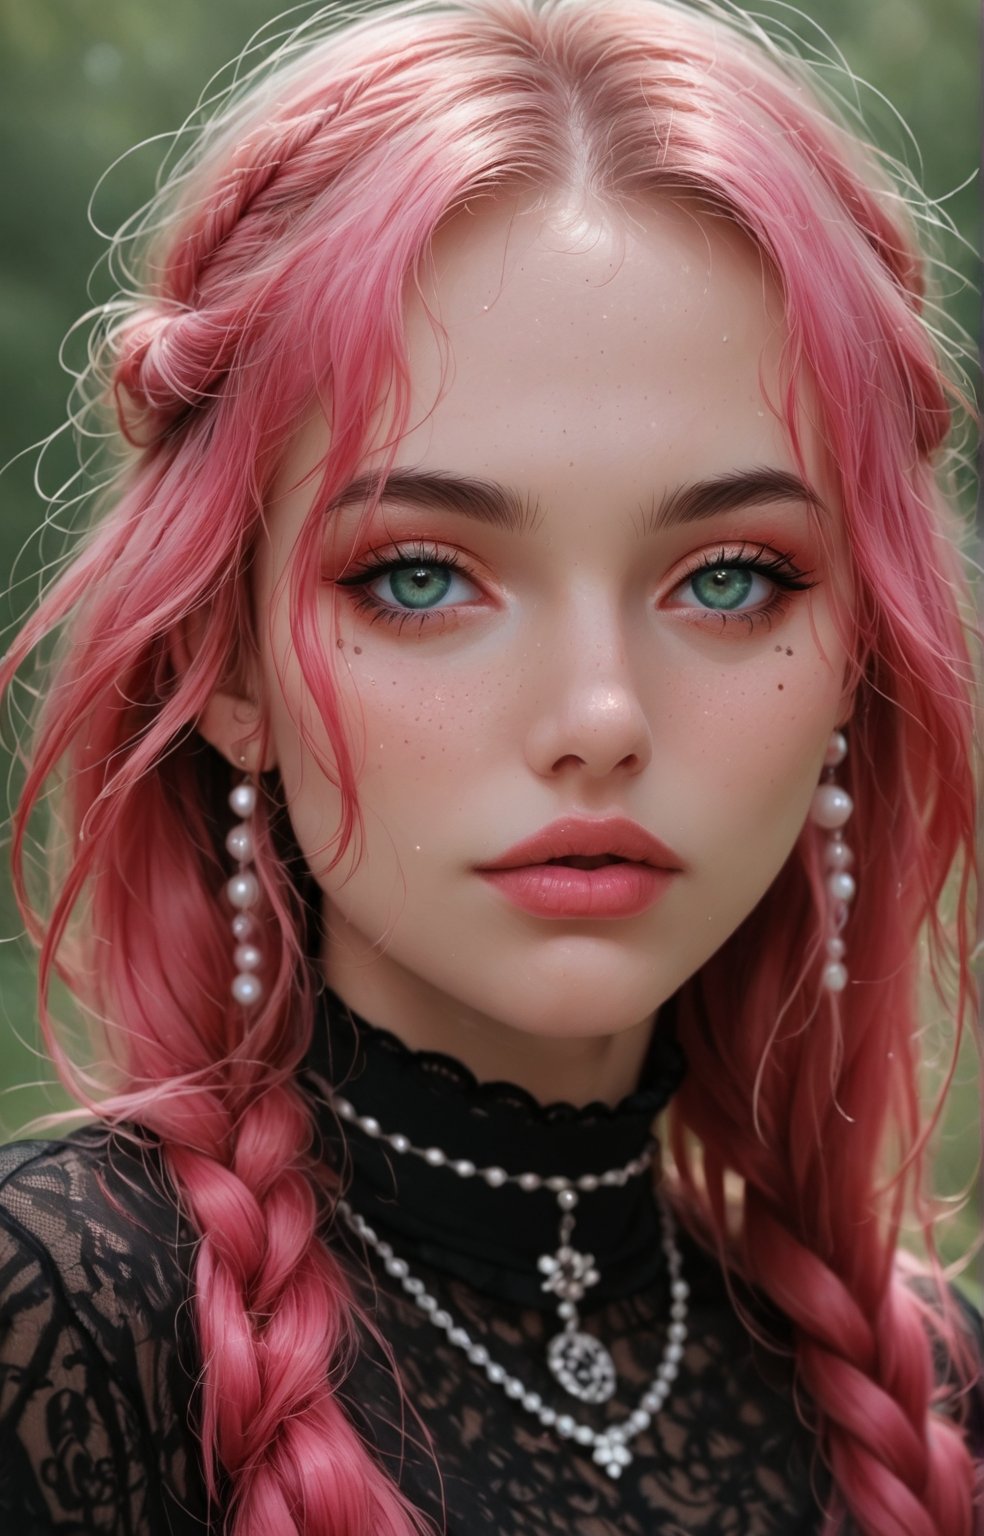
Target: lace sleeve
{"x": 95, "y": 1387}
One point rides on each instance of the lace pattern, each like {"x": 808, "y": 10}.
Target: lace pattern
{"x": 98, "y": 1366}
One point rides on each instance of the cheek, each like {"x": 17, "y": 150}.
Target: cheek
{"x": 417, "y": 742}
{"x": 747, "y": 742}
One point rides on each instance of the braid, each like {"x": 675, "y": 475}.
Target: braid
{"x": 882, "y": 1444}
{"x": 274, "y": 1312}
{"x": 170, "y": 355}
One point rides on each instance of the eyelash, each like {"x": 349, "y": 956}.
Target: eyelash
{"x": 778, "y": 567}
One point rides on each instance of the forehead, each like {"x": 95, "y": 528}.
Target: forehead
{"x": 605, "y": 357}
{"x": 649, "y": 330}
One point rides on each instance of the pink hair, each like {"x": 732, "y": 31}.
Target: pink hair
{"x": 282, "y": 254}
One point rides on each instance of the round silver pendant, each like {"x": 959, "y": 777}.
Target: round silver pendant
{"x": 583, "y": 1367}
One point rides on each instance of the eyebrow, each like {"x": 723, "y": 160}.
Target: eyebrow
{"x": 489, "y": 502}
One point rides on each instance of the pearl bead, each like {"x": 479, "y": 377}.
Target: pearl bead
{"x": 441, "y": 1319}
{"x": 495, "y": 1176}
{"x": 548, "y": 1415}
{"x": 242, "y": 800}
{"x": 464, "y": 1168}
{"x": 370, "y": 1125}
{"x": 584, "y": 1434}
{"x": 247, "y": 988}
{"x": 565, "y": 1425}
{"x": 831, "y": 806}
{"x": 459, "y": 1337}
{"x": 567, "y": 1199}
{"x": 588, "y": 1181}
{"x": 838, "y": 855}
{"x": 495, "y": 1373}
{"x": 242, "y": 926}
{"x": 399, "y": 1142}
{"x": 836, "y": 749}
{"x": 514, "y": 1387}
{"x": 835, "y": 976}
{"x": 640, "y": 1419}
{"x": 435, "y": 1157}
{"x": 247, "y": 957}
{"x": 841, "y": 885}
{"x": 557, "y": 1182}
{"x": 478, "y": 1355}
{"x": 836, "y": 949}
{"x": 533, "y": 1402}
{"x": 240, "y": 842}
{"x": 243, "y": 889}
{"x": 529, "y": 1181}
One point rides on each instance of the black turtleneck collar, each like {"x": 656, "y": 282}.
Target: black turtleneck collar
{"x": 490, "y": 1237}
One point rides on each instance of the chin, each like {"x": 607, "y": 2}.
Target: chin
{"x": 577, "y": 1009}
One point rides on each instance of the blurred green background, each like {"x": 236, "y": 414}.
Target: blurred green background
{"x": 81, "y": 81}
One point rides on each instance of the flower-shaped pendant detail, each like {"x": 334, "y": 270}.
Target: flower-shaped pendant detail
{"x": 568, "y": 1272}
{"x": 613, "y": 1455}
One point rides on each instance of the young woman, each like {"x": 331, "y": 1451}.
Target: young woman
{"x": 518, "y": 683}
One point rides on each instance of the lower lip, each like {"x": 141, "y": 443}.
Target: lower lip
{"x": 558, "y": 890}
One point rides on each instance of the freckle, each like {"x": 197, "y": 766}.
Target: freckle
{"x": 788, "y": 651}
{"x": 340, "y": 643}
{"x": 358, "y": 650}
{"x": 781, "y": 687}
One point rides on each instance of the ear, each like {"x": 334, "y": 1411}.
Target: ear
{"x": 235, "y": 726}
{"x": 233, "y": 720}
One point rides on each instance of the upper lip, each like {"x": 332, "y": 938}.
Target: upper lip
{"x": 588, "y": 837}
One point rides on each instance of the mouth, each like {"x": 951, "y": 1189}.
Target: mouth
{"x": 594, "y": 861}
{"x": 589, "y": 843}
{"x": 576, "y": 886}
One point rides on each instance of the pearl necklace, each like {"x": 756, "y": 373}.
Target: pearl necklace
{"x": 579, "y": 1361}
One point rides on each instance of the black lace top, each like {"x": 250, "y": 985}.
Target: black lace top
{"x": 98, "y": 1358}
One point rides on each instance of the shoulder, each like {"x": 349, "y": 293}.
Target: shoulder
{"x": 93, "y": 1248}
{"x": 97, "y": 1355}
{"x": 95, "y": 1210}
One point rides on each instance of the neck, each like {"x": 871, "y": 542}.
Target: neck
{"x": 490, "y": 1234}
{"x": 579, "y": 1069}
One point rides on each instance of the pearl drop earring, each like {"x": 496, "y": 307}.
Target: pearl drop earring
{"x": 243, "y": 891}
{"x": 830, "y": 808}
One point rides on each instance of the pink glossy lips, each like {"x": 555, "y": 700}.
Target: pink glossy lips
{"x": 585, "y": 868}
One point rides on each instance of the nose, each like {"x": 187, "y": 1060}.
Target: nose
{"x": 588, "y": 716}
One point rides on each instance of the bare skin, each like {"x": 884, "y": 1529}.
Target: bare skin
{"x": 573, "y": 667}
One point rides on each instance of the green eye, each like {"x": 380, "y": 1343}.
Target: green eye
{"x": 724, "y": 588}
{"x": 420, "y": 586}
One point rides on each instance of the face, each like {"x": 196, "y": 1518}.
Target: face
{"x": 600, "y": 659}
